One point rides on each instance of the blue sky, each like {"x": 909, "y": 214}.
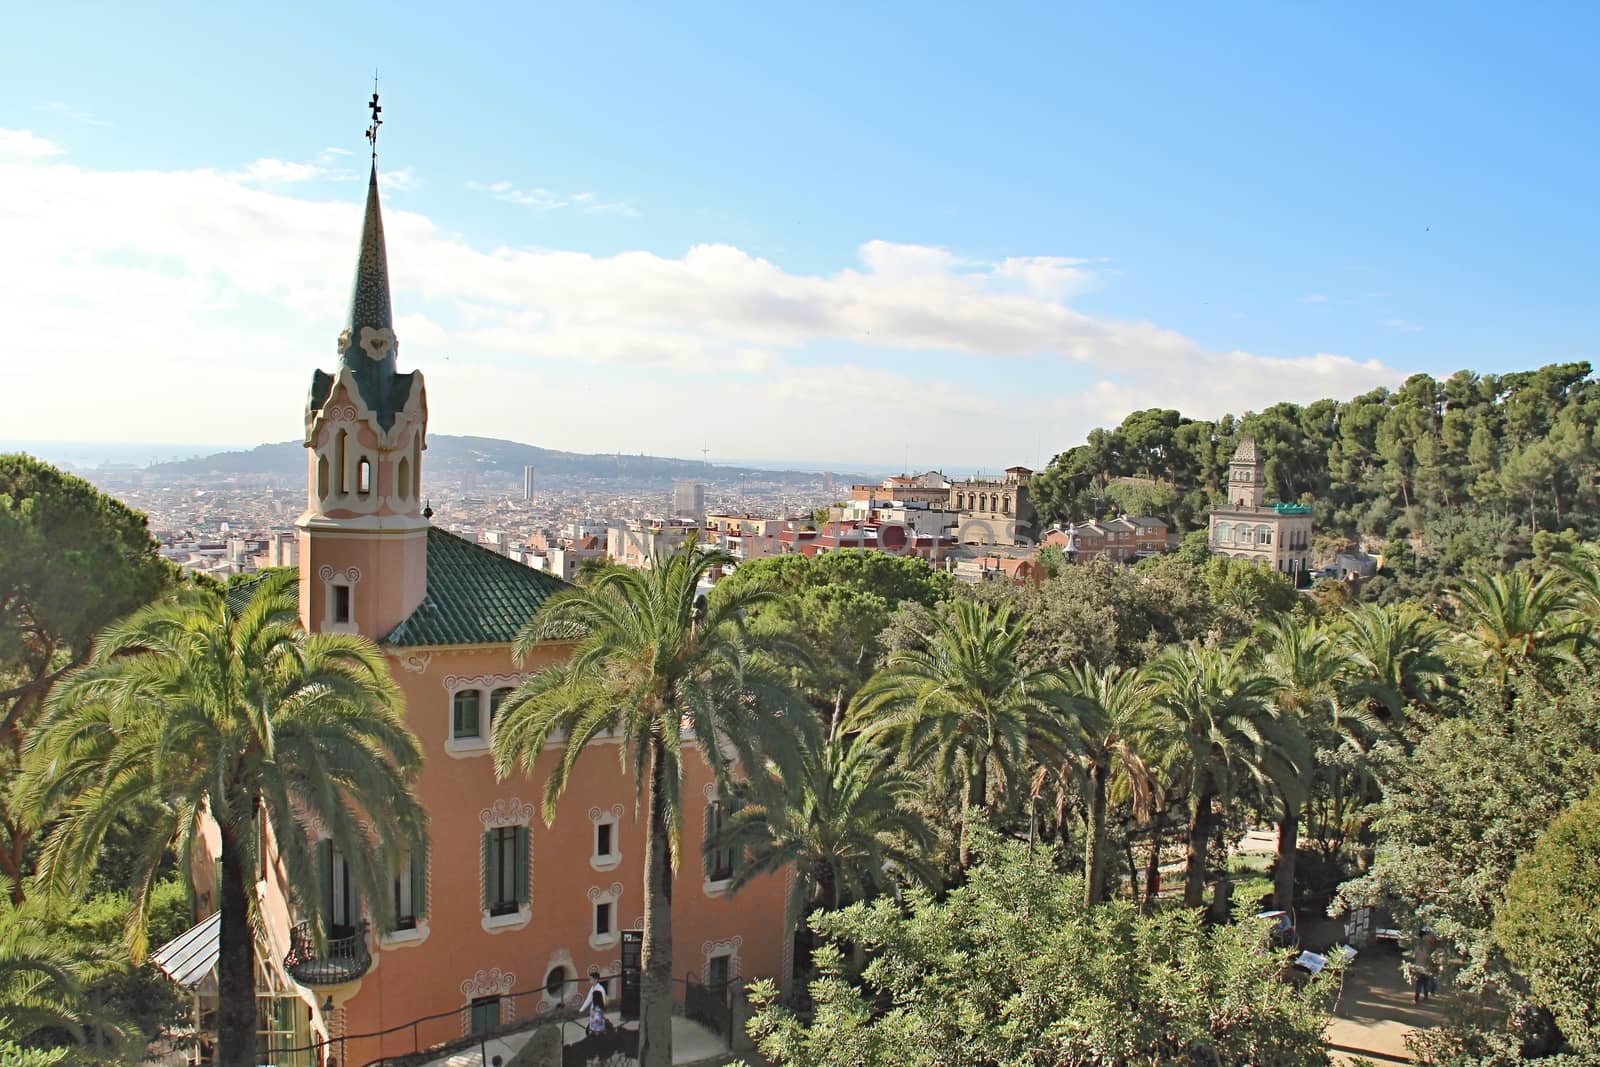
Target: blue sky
{"x": 816, "y": 232}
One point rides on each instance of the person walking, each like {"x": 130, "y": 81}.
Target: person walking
{"x": 1424, "y": 982}
{"x": 595, "y": 1004}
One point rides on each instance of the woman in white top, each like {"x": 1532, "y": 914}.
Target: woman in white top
{"x": 595, "y": 1004}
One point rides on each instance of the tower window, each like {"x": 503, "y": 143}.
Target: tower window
{"x": 602, "y": 839}
{"x": 364, "y": 476}
{"x": 339, "y": 461}
{"x": 602, "y": 918}
{"x": 341, "y": 603}
{"x": 404, "y": 472}
{"x": 322, "y": 477}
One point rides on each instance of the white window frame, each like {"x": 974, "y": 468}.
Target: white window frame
{"x": 611, "y": 817}
{"x": 348, "y": 577}
{"x": 467, "y": 746}
{"x": 597, "y": 897}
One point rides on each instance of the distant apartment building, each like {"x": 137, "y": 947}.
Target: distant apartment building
{"x": 689, "y": 500}
{"x": 866, "y": 537}
{"x": 1121, "y": 539}
{"x": 635, "y": 542}
{"x": 1244, "y": 526}
{"x": 564, "y": 560}
{"x": 746, "y": 536}
{"x": 527, "y": 483}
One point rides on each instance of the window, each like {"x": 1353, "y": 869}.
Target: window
{"x": 341, "y": 602}
{"x": 602, "y": 919}
{"x": 497, "y": 698}
{"x": 403, "y": 473}
{"x": 1224, "y": 531}
{"x": 322, "y": 477}
{"x": 485, "y": 1015}
{"x": 338, "y": 895}
{"x": 464, "y": 717}
{"x": 602, "y": 840}
{"x": 364, "y": 476}
{"x": 505, "y": 869}
{"x": 718, "y": 971}
{"x": 555, "y": 983}
{"x": 411, "y": 889}
{"x": 339, "y": 461}
{"x": 718, "y": 862}
{"x": 1266, "y": 536}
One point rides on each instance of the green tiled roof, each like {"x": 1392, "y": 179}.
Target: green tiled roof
{"x": 474, "y": 596}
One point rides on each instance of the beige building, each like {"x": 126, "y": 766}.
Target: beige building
{"x": 1246, "y": 527}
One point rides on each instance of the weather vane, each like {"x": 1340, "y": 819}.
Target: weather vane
{"x": 372, "y": 131}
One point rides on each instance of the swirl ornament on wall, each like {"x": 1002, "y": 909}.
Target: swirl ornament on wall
{"x": 512, "y": 812}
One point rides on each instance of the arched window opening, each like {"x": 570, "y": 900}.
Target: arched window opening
{"x": 364, "y": 476}
{"x": 405, "y": 478}
{"x": 339, "y": 461}
{"x": 322, "y": 477}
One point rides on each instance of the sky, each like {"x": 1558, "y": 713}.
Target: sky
{"x": 892, "y": 234}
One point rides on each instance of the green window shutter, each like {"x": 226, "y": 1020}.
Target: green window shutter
{"x": 419, "y": 878}
{"x": 488, "y": 869}
{"x": 325, "y": 880}
{"x": 522, "y": 865}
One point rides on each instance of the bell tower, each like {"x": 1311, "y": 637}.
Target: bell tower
{"x": 363, "y": 536}
{"x": 1247, "y": 476}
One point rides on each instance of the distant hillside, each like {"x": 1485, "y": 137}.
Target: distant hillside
{"x": 453, "y": 457}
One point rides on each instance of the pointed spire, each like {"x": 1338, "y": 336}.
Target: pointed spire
{"x": 369, "y": 303}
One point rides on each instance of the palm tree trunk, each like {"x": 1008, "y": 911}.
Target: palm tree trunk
{"x": 1094, "y": 858}
{"x": 655, "y": 986}
{"x": 1152, "y": 865}
{"x": 977, "y": 797}
{"x": 1133, "y": 869}
{"x": 1194, "y": 883}
{"x": 1288, "y": 843}
{"x": 236, "y": 961}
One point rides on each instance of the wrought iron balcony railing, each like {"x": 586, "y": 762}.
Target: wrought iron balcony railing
{"x": 341, "y": 959}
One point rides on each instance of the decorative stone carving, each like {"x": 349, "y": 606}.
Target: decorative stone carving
{"x": 600, "y": 896}
{"x": 600, "y": 814}
{"x": 453, "y": 682}
{"x": 512, "y": 812}
{"x": 416, "y": 662}
{"x": 377, "y": 342}
{"x": 488, "y": 983}
{"x": 350, "y": 575}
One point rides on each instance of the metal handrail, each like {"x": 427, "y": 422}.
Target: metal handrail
{"x": 341, "y": 959}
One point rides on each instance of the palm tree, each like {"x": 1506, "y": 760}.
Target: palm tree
{"x": 1223, "y": 729}
{"x": 39, "y": 987}
{"x": 968, "y": 708}
{"x": 1393, "y": 658}
{"x": 1304, "y": 663}
{"x": 844, "y": 825}
{"x": 1117, "y": 725}
{"x": 655, "y": 664}
{"x": 1515, "y": 623}
{"x": 204, "y": 710}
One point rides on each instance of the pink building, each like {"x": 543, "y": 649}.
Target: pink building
{"x": 500, "y": 916}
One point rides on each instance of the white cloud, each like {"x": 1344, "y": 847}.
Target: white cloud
{"x": 166, "y": 291}
{"x": 1314, "y": 298}
{"x": 1402, "y": 325}
{"x": 545, "y": 200}
{"x": 24, "y": 144}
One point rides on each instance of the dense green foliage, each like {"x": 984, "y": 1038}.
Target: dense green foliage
{"x": 72, "y": 560}
{"x": 1011, "y": 969}
{"x": 1549, "y": 926}
{"x": 836, "y": 604}
{"x": 1457, "y": 473}
{"x": 191, "y": 708}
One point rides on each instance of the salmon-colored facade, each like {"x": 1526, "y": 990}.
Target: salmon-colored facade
{"x": 499, "y": 902}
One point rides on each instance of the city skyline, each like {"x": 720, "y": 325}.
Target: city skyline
{"x": 968, "y": 269}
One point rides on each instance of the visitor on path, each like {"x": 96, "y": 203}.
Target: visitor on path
{"x": 595, "y": 1004}
{"x": 1424, "y": 983}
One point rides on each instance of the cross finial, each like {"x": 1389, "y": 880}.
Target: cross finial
{"x": 372, "y": 130}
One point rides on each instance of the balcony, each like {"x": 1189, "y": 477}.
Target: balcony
{"x": 342, "y": 959}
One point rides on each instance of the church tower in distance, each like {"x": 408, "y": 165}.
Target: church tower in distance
{"x": 363, "y": 537}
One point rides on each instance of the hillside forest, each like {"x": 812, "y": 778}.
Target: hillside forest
{"x": 1439, "y": 476}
